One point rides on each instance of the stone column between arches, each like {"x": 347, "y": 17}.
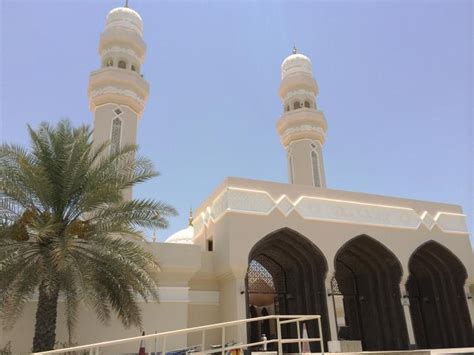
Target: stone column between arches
{"x": 470, "y": 300}
{"x": 331, "y": 310}
{"x": 406, "y": 311}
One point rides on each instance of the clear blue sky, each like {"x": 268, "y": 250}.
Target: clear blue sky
{"x": 395, "y": 83}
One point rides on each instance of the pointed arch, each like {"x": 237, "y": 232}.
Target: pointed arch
{"x": 438, "y": 304}
{"x": 432, "y": 244}
{"x": 122, "y": 64}
{"x": 298, "y": 268}
{"x": 371, "y": 240}
{"x": 288, "y": 232}
{"x": 368, "y": 275}
{"x": 108, "y": 62}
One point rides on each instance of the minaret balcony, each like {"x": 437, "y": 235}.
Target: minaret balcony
{"x": 299, "y": 81}
{"x": 120, "y": 86}
{"x": 120, "y": 76}
{"x": 304, "y": 123}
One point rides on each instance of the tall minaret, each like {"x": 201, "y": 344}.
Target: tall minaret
{"x": 302, "y": 127}
{"x": 117, "y": 91}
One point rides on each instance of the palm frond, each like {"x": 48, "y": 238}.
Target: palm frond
{"x": 65, "y": 226}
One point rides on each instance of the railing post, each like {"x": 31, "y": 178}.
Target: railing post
{"x": 280, "y": 345}
{"x": 223, "y": 340}
{"x": 164, "y": 345}
{"x": 203, "y": 341}
{"x": 321, "y": 339}
{"x": 299, "y": 335}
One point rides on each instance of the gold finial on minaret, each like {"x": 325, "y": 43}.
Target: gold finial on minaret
{"x": 190, "y": 218}
{"x": 294, "y": 49}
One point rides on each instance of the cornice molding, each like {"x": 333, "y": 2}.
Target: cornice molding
{"x": 107, "y": 90}
{"x": 121, "y": 50}
{"x": 302, "y": 128}
{"x": 257, "y": 202}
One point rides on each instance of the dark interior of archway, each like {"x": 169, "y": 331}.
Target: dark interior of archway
{"x": 438, "y": 305}
{"x": 298, "y": 270}
{"x": 368, "y": 276}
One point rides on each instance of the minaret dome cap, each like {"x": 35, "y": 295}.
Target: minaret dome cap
{"x": 124, "y": 17}
{"x": 296, "y": 63}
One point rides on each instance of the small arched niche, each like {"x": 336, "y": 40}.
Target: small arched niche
{"x": 108, "y": 62}
{"x": 122, "y": 64}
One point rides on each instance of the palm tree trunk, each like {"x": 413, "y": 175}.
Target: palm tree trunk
{"x": 46, "y": 313}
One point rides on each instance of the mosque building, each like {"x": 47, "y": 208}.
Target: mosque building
{"x": 388, "y": 273}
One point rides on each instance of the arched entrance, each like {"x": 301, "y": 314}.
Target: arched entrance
{"x": 367, "y": 278}
{"x": 438, "y": 304}
{"x": 286, "y": 276}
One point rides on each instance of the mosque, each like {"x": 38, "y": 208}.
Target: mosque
{"x": 388, "y": 273}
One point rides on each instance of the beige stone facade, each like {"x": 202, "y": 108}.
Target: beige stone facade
{"x": 394, "y": 244}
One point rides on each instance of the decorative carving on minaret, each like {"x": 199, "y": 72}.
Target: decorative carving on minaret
{"x": 302, "y": 127}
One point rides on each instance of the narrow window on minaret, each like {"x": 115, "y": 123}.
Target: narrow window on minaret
{"x": 316, "y": 175}
{"x": 290, "y": 168}
{"x": 116, "y": 133}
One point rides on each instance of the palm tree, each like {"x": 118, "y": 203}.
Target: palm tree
{"x": 66, "y": 232}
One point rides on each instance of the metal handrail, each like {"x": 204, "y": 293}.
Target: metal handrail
{"x": 280, "y": 320}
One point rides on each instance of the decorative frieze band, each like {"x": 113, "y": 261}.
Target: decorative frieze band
{"x": 124, "y": 24}
{"x": 302, "y": 128}
{"x": 299, "y": 93}
{"x": 296, "y": 65}
{"x": 115, "y": 50}
{"x": 256, "y": 202}
{"x": 114, "y": 90}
